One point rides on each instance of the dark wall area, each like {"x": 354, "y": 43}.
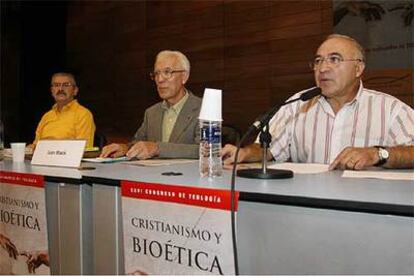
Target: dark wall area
{"x": 33, "y": 43}
{"x": 256, "y": 51}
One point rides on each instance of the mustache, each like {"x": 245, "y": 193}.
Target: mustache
{"x": 61, "y": 92}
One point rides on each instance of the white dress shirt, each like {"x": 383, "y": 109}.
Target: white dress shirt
{"x": 310, "y": 132}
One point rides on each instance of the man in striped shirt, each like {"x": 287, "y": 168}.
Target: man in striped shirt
{"x": 348, "y": 126}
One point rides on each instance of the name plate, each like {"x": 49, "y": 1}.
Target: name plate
{"x": 60, "y": 153}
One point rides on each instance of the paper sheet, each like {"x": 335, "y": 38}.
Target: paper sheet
{"x": 159, "y": 162}
{"x": 300, "y": 168}
{"x": 105, "y": 160}
{"x": 7, "y": 152}
{"x": 383, "y": 174}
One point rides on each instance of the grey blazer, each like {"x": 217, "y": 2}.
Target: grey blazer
{"x": 185, "y": 136}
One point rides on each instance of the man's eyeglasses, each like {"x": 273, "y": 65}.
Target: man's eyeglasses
{"x": 166, "y": 73}
{"x": 332, "y": 60}
{"x": 63, "y": 85}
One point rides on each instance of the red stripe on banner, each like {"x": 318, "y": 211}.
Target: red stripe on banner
{"x": 210, "y": 198}
{"x": 24, "y": 179}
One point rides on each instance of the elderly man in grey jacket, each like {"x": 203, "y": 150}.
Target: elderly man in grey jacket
{"x": 170, "y": 128}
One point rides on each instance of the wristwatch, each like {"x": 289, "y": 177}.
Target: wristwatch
{"x": 383, "y": 155}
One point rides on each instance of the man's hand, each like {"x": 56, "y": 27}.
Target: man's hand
{"x": 250, "y": 153}
{"x": 114, "y": 150}
{"x": 8, "y": 246}
{"x": 355, "y": 158}
{"x": 35, "y": 259}
{"x": 143, "y": 150}
{"x": 228, "y": 154}
{"x": 30, "y": 148}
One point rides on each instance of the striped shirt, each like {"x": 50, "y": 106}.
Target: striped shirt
{"x": 310, "y": 132}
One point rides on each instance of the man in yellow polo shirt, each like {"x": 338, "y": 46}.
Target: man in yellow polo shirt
{"x": 67, "y": 119}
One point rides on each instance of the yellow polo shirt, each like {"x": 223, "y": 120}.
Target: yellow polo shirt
{"x": 73, "y": 122}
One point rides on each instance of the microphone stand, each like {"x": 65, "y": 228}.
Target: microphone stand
{"x": 264, "y": 172}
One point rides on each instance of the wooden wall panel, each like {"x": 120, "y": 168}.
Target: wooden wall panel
{"x": 256, "y": 51}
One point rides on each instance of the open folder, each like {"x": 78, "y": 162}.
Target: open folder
{"x": 105, "y": 159}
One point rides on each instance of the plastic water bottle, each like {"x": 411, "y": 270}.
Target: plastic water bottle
{"x": 210, "y": 148}
{"x": 1, "y": 140}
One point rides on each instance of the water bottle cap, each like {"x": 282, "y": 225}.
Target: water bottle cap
{"x": 211, "y": 105}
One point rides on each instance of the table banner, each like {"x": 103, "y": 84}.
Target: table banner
{"x": 23, "y": 227}
{"x": 172, "y": 229}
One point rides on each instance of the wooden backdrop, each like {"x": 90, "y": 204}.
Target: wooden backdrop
{"x": 257, "y": 52}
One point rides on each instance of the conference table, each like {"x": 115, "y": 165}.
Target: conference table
{"x": 319, "y": 223}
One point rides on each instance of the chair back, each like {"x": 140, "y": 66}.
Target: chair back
{"x": 230, "y": 135}
{"x": 99, "y": 140}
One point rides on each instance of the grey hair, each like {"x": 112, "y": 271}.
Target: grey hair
{"x": 65, "y": 74}
{"x": 358, "y": 46}
{"x": 182, "y": 59}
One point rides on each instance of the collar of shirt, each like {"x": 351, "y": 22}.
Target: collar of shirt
{"x": 66, "y": 107}
{"x": 178, "y": 106}
{"x": 327, "y": 107}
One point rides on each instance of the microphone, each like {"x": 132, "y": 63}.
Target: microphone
{"x": 263, "y": 173}
{"x": 311, "y": 93}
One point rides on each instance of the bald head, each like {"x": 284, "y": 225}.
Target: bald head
{"x": 359, "y": 50}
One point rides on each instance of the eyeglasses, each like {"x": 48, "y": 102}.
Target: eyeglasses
{"x": 165, "y": 73}
{"x": 331, "y": 60}
{"x": 63, "y": 85}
